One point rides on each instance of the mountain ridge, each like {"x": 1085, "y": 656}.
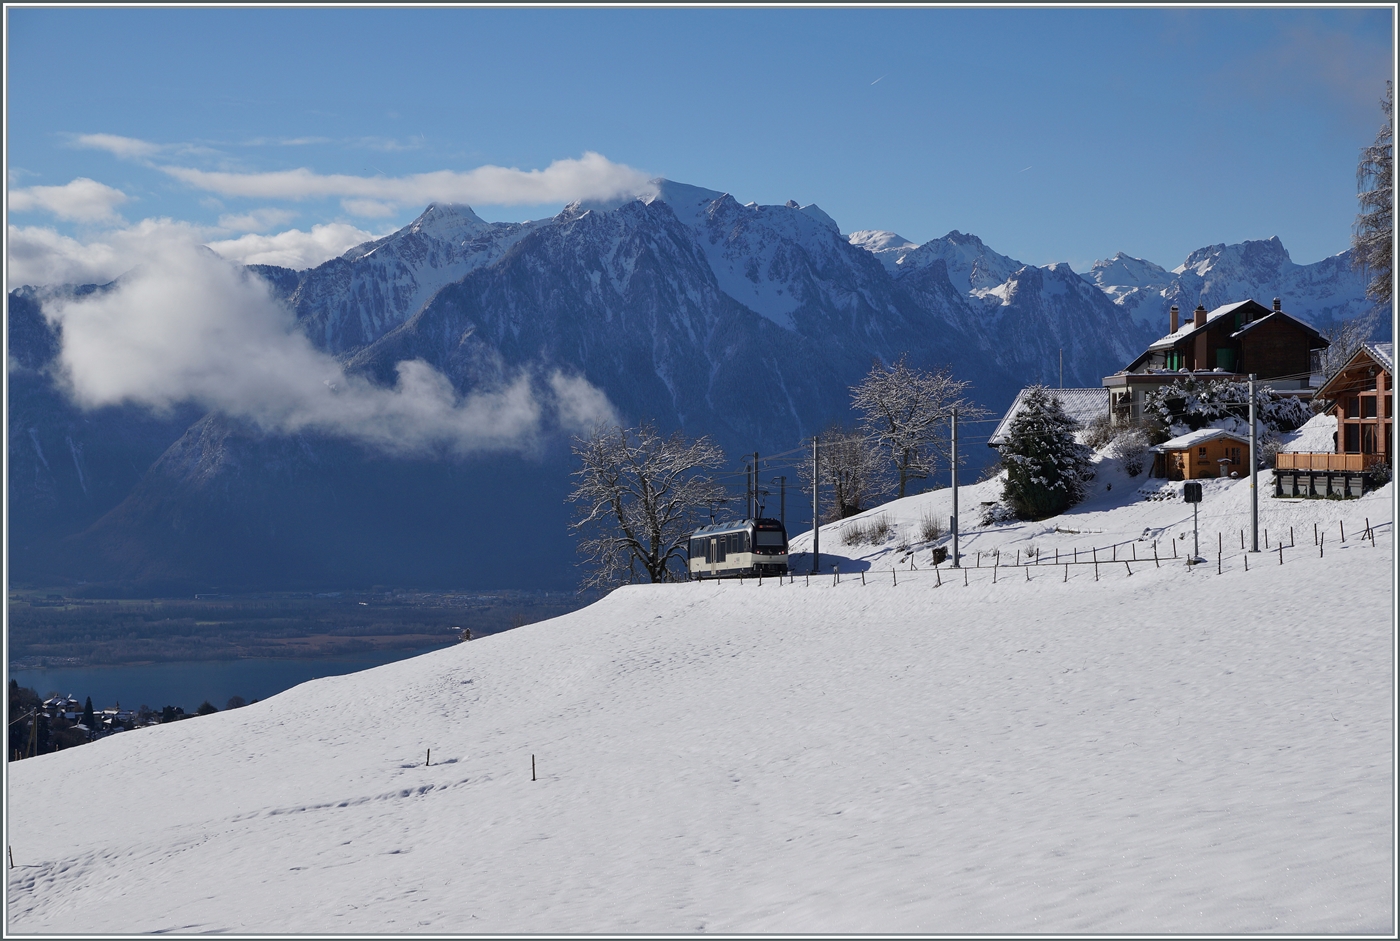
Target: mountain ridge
{"x": 745, "y": 322}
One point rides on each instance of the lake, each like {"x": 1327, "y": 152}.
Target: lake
{"x": 191, "y": 683}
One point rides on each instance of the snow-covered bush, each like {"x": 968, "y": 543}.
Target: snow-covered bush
{"x": 1046, "y": 468}
{"x": 994, "y": 513}
{"x": 1189, "y": 404}
{"x": 1129, "y": 448}
{"x": 1100, "y": 432}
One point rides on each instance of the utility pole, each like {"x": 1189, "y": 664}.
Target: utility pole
{"x": 782, "y": 500}
{"x": 1062, "y": 367}
{"x": 754, "y": 514}
{"x": 954, "y": 526}
{"x": 1253, "y": 471}
{"x": 816, "y": 514}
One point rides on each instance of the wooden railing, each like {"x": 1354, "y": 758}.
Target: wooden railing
{"x": 1320, "y": 461}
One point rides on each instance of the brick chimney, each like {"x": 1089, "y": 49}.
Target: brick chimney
{"x": 1200, "y": 316}
{"x": 1176, "y": 319}
{"x": 1278, "y": 305}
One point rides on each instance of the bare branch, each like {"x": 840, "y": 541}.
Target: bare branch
{"x": 907, "y": 411}
{"x": 639, "y": 496}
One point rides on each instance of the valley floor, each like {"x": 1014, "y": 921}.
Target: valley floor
{"x": 1169, "y": 750}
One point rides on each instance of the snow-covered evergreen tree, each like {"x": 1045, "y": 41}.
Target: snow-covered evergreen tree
{"x": 1045, "y": 466}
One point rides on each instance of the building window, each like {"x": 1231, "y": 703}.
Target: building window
{"x": 1351, "y": 439}
{"x": 1368, "y": 406}
{"x": 1353, "y": 407}
{"x": 1368, "y": 439}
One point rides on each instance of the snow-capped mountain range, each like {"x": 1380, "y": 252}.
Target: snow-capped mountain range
{"x": 746, "y": 322}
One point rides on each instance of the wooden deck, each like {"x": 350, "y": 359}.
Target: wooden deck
{"x": 1320, "y": 461}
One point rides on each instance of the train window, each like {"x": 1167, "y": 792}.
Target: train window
{"x": 768, "y": 537}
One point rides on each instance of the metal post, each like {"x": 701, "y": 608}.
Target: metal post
{"x": 748, "y": 491}
{"x": 782, "y": 500}
{"x": 1253, "y": 470}
{"x": 816, "y": 514}
{"x": 754, "y": 514}
{"x": 1195, "y": 533}
{"x": 954, "y": 527}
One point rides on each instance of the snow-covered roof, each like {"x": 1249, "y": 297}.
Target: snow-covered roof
{"x": 1193, "y": 438}
{"x": 1083, "y": 405}
{"x": 1384, "y": 354}
{"x": 1188, "y": 326}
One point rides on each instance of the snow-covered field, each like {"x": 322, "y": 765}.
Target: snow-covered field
{"x": 1169, "y": 750}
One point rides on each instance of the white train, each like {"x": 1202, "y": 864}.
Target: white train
{"x": 745, "y": 547}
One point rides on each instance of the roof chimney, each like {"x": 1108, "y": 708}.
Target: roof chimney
{"x": 1200, "y": 316}
{"x": 1278, "y": 305}
{"x": 1176, "y": 319}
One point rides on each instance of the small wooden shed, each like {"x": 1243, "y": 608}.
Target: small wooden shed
{"x": 1209, "y": 452}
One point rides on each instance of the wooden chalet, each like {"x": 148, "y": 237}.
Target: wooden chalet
{"x": 1228, "y": 343}
{"x": 1209, "y": 452}
{"x": 1362, "y": 401}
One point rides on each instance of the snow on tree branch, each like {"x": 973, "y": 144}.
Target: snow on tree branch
{"x": 639, "y": 496}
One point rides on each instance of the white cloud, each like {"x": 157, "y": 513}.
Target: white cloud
{"x": 82, "y": 200}
{"x": 368, "y": 208}
{"x": 293, "y": 248}
{"x": 186, "y": 325}
{"x": 592, "y": 176}
{"x": 41, "y": 256}
{"x": 125, "y": 147}
{"x": 256, "y": 220}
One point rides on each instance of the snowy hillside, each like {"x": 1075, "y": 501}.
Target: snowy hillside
{"x": 1005, "y": 750}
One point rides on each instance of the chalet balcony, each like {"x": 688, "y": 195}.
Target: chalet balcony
{"x": 1322, "y": 461}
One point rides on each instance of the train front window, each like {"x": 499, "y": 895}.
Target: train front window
{"x": 769, "y": 538}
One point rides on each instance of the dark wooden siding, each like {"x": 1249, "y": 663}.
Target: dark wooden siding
{"x": 1273, "y": 349}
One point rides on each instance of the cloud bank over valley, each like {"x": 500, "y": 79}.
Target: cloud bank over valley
{"x": 186, "y": 325}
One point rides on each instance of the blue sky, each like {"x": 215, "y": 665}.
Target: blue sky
{"x": 1054, "y": 134}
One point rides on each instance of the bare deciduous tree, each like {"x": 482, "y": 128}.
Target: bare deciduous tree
{"x": 907, "y": 411}
{"x": 639, "y": 496}
{"x": 852, "y": 467}
{"x": 1345, "y": 338}
{"x": 1372, "y": 247}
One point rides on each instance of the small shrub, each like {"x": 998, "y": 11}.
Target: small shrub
{"x": 1099, "y": 432}
{"x": 1129, "y": 448}
{"x": 854, "y": 534}
{"x": 880, "y": 529}
{"x": 929, "y": 528}
{"x": 997, "y": 513}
